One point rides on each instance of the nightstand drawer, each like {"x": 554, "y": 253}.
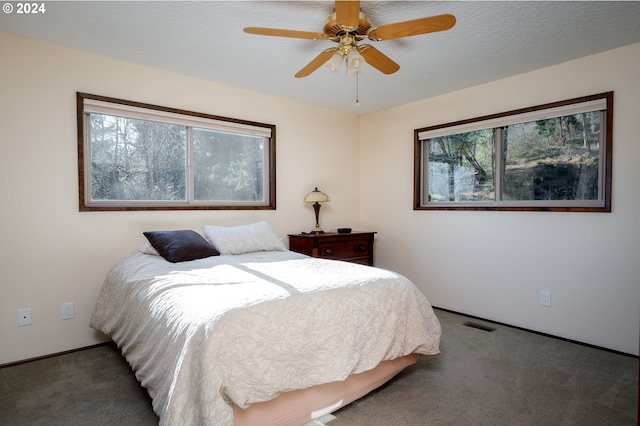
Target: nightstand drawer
{"x": 343, "y": 249}
{"x": 356, "y": 247}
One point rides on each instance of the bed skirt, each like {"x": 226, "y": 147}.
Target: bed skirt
{"x": 298, "y": 407}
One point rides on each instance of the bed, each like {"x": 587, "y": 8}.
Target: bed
{"x": 246, "y": 332}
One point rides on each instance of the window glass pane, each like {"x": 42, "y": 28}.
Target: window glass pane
{"x": 134, "y": 159}
{"x": 461, "y": 167}
{"x": 553, "y": 159}
{"x": 228, "y": 166}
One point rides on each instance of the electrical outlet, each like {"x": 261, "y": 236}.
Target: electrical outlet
{"x": 67, "y": 311}
{"x": 24, "y": 317}
{"x": 545, "y": 298}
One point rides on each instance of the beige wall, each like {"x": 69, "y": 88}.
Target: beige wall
{"x": 52, "y": 254}
{"x": 494, "y": 264}
{"x": 490, "y": 264}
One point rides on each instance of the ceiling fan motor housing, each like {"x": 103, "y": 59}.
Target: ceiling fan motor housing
{"x": 333, "y": 29}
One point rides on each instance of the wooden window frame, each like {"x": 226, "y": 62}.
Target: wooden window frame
{"x": 605, "y": 165}
{"x": 86, "y": 205}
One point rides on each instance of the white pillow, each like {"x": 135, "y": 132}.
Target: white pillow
{"x": 244, "y": 238}
{"x": 147, "y": 248}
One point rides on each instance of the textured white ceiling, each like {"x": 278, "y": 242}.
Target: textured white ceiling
{"x": 490, "y": 40}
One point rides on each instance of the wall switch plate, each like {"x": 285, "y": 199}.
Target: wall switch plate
{"x": 24, "y": 317}
{"x": 67, "y": 311}
{"x": 545, "y": 298}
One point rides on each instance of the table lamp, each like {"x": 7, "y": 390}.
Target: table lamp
{"x": 316, "y": 197}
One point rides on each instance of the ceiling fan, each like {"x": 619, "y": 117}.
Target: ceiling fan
{"x": 347, "y": 26}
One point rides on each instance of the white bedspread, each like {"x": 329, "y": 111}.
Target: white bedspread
{"x": 241, "y": 329}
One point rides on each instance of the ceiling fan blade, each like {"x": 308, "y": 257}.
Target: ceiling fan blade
{"x": 377, "y": 59}
{"x": 286, "y": 33}
{"x": 316, "y": 63}
{"x": 410, "y": 28}
{"x": 348, "y": 13}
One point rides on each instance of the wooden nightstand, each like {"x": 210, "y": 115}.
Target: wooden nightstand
{"x": 356, "y": 247}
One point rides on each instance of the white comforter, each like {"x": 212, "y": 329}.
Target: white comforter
{"x": 204, "y": 334}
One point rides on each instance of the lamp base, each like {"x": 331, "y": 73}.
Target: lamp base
{"x": 317, "y": 230}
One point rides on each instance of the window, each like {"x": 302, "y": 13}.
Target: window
{"x": 134, "y": 156}
{"x": 553, "y": 157}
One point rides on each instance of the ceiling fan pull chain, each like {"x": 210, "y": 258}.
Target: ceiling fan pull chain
{"x": 357, "y": 89}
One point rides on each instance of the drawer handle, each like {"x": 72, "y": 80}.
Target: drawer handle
{"x": 328, "y": 251}
{"x": 360, "y": 248}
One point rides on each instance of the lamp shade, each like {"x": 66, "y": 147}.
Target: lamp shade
{"x": 316, "y": 196}
{"x": 354, "y": 62}
{"x": 335, "y": 62}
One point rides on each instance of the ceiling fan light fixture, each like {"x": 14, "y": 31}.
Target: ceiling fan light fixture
{"x": 335, "y": 62}
{"x": 354, "y": 62}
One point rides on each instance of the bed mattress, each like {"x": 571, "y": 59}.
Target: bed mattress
{"x": 212, "y": 335}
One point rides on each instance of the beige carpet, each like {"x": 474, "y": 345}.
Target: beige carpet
{"x": 505, "y": 377}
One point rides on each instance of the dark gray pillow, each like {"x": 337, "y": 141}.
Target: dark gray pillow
{"x": 180, "y": 246}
